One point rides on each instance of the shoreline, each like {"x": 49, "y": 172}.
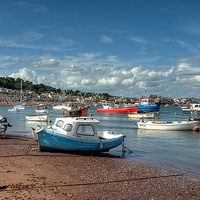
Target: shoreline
{"x": 30, "y": 174}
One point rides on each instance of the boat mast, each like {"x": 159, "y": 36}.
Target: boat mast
{"x": 21, "y": 92}
{"x": 145, "y": 93}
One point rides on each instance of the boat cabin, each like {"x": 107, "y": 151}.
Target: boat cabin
{"x": 80, "y": 127}
{"x": 107, "y": 105}
{"x": 147, "y": 101}
{"x": 195, "y": 107}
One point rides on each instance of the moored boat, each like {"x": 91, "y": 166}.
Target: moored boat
{"x": 42, "y": 109}
{"x": 108, "y": 108}
{"x": 76, "y": 134}
{"x": 75, "y": 111}
{"x": 148, "y": 104}
{"x": 167, "y": 126}
{"x": 14, "y": 109}
{"x": 37, "y": 117}
{"x": 141, "y": 115}
{"x": 19, "y": 106}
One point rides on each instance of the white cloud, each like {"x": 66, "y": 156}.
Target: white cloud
{"x": 15, "y": 59}
{"x": 186, "y": 69}
{"x": 106, "y": 39}
{"x": 138, "y": 39}
{"x": 51, "y": 63}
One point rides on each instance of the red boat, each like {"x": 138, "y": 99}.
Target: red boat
{"x": 108, "y": 109}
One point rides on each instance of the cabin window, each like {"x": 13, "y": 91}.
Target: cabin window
{"x": 59, "y": 123}
{"x": 85, "y": 130}
{"x": 196, "y": 106}
{"x": 68, "y": 127}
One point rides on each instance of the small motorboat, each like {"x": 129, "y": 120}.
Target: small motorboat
{"x": 167, "y": 126}
{"x": 14, "y": 109}
{"x": 75, "y": 110}
{"x": 141, "y": 115}
{"x": 42, "y": 109}
{"x": 19, "y": 106}
{"x": 37, "y": 117}
{"x": 4, "y": 124}
{"x": 76, "y": 134}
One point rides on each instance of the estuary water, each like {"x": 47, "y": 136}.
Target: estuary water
{"x": 174, "y": 150}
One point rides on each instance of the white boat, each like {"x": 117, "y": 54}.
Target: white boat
{"x": 20, "y": 107}
{"x": 37, "y": 117}
{"x": 42, "y": 109}
{"x": 14, "y": 109}
{"x": 60, "y": 107}
{"x": 141, "y": 115}
{"x": 68, "y": 106}
{"x": 167, "y": 105}
{"x": 76, "y": 134}
{"x": 167, "y": 126}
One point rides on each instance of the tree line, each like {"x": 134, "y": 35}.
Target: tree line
{"x": 15, "y": 84}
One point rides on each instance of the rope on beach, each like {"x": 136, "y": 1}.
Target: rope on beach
{"x": 91, "y": 183}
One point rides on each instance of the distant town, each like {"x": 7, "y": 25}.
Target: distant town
{"x": 15, "y": 90}
{"x": 13, "y": 95}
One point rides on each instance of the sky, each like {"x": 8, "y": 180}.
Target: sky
{"x": 119, "y": 47}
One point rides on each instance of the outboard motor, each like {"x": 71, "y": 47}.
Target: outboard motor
{"x": 3, "y": 119}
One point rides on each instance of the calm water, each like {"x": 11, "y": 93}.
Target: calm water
{"x": 174, "y": 150}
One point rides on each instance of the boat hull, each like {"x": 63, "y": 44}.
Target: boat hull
{"x": 119, "y": 110}
{"x": 51, "y": 140}
{"x": 37, "y": 118}
{"x": 168, "y": 126}
{"x": 142, "y": 115}
{"x": 149, "y": 107}
{"x": 75, "y": 113}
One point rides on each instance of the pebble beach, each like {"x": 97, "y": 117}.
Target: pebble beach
{"x": 27, "y": 173}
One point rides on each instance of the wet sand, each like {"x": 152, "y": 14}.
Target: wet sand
{"x": 27, "y": 173}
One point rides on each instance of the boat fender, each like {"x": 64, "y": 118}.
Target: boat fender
{"x": 196, "y": 129}
{"x": 64, "y": 112}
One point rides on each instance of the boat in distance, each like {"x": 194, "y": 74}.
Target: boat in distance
{"x": 77, "y": 134}
{"x": 117, "y": 109}
{"x": 167, "y": 126}
{"x": 141, "y": 115}
{"x": 37, "y": 117}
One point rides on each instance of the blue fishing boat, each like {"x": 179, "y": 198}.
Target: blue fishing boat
{"x": 148, "y": 104}
{"x": 4, "y": 124}
{"x": 76, "y": 134}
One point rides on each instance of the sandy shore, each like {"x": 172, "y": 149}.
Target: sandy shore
{"x": 27, "y": 173}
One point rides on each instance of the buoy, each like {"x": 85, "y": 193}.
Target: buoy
{"x": 157, "y": 113}
{"x": 49, "y": 120}
{"x": 156, "y": 118}
{"x": 49, "y": 112}
{"x": 196, "y": 129}
{"x": 174, "y": 113}
{"x": 90, "y": 114}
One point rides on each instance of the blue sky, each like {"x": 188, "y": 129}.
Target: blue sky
{"x": 119, "y": 47}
